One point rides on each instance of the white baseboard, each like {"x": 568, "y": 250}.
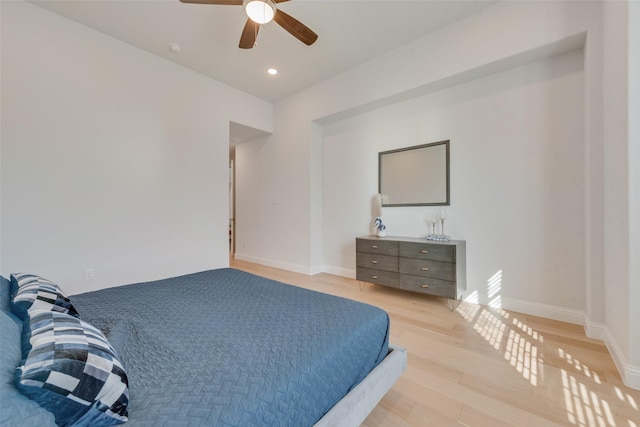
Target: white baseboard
{"x": 316, "y": 269}
{"x": 343, "y": 272}
{"x": 594, "y": 330}
{"x": 302, "y": 269}
{"x": 630, "y": 374}
{"x": 562, "y": 314}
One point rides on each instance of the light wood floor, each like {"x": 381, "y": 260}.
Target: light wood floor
{"x": 479, "y": 366}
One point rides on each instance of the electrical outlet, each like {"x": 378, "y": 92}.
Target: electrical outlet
{"x": 89, "y": 274}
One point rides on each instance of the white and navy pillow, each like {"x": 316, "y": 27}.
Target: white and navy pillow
{"x": 31, "y": 292}
{"x": 71, "y": 370}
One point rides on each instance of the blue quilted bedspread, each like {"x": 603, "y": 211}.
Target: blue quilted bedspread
{"x": 228, "y": 348}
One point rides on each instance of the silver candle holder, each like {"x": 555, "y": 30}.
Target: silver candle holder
{"x": 434, "y": 235}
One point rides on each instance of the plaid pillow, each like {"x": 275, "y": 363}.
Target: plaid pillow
{"x": 31, "y": 292}
{"x": 71, "y": 370}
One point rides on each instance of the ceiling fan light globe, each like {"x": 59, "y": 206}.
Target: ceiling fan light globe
{"x": 260, "y": 11}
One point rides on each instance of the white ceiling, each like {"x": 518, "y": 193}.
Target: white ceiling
{"x": 350, "y": 33}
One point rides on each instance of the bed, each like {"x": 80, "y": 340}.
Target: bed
{"x": 225, "y": 347}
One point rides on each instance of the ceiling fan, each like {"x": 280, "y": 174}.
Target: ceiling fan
{"x": 260, "y": 12}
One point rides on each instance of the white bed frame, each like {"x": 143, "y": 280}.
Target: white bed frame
{"x": 352, "y": 410}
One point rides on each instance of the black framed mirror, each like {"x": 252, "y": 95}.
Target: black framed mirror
{"x": 415, "y": 176}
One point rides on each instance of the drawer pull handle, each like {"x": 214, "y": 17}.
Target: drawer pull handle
{"x": 424, "y": 251}
{"x": 374, "y": 246}
{"x": 425, "y": 269}
{"x": 373, "y": 261}
{"x": 424, "y": 286}
{"x": 374, "y": 277}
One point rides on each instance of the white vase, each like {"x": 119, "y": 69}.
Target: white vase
{"x": 382, "y": 233}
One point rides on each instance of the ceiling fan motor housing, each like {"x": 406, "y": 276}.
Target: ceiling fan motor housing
{"x": 260, "y": 11}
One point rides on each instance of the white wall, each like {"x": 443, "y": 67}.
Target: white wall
{"x": 516, "y": 178}
{"x": 634, "y": 191}
{"x": 277, "y": 229}
{"x": 503, "y": 36}
{"x": 616, "y": 172}
{"x": 466, "y": 50}
{"x": 112, "y": 159}
{"x": 622, "y": 207}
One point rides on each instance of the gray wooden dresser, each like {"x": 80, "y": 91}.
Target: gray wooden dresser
{"x": 413, "y": 264}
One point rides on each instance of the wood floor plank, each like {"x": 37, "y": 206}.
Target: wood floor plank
{"x": 480, "y": 366}
{"x": 473, "y": 417}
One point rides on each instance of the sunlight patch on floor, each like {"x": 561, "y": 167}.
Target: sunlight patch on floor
{"x": 522, "y": 354}
{"x": 518, "y": 348}
{"x": 514, "y": 339}
{"x": 626, "y": 397}
{"x": 587, "y": 404}
{"x": 470, "y": 307}
{"x": 491, "y": 328}
{"x": 584, "y": 408}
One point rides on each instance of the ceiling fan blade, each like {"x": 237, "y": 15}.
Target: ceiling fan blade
{"x": 249, "y": 34}
{"x": 295, "y": 27}
{"x": 225, "y": 2}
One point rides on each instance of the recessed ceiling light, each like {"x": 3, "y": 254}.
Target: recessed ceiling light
{"x": 272, "y": 71}
{"x": 175, "y": 47}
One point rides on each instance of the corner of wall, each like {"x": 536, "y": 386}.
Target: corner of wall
{"x": 630, "y": 373}
{"x": 594, "y": 330}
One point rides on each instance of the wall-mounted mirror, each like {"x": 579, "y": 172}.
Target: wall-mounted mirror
{"x": 415, "y": 176}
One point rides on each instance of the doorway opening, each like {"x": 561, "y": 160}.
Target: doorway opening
{"x": 238, "y": 134}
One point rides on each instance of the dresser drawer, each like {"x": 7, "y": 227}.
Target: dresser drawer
{"x": 426, "y": 268}
{"x": 379, "y": 277}
{"x": 433, "y": 252}
{"x": 377, "y": 262}
{"x": 427, "y": 285}
{"x": 377, "y": 246}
